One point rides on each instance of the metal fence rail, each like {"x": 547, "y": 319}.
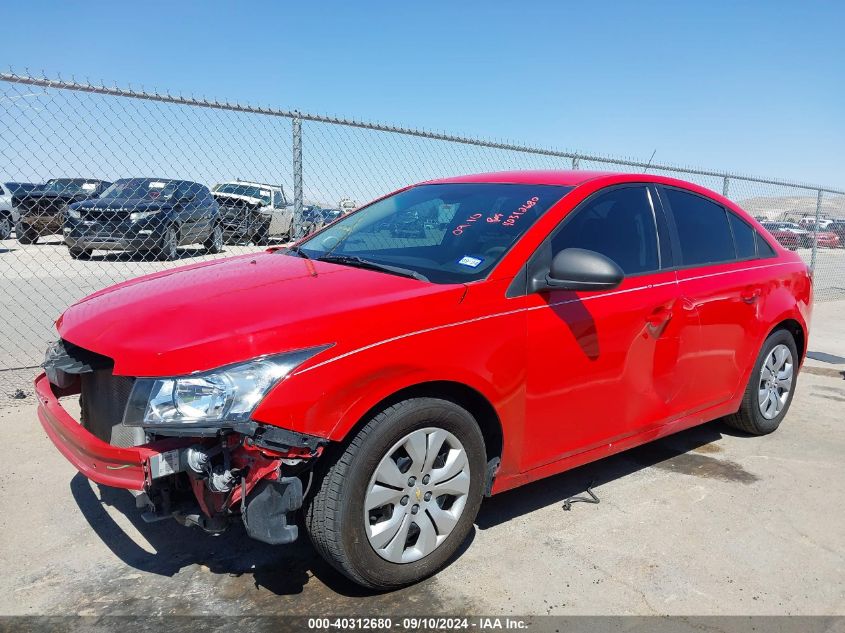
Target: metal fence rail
{"x": 303, "y": 164}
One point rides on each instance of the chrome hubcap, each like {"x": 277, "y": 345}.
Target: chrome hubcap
{"x": 416, "y": 495}
{"x": 775, "y": 381}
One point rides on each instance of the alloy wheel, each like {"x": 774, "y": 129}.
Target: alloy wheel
{"x": 776, "y": 377}
{"x": 416, "y": 495}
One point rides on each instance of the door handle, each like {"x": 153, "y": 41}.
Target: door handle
{"x": 750, "y": 295}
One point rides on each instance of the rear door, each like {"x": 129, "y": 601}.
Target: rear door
{"x": 723, "y": 282}
{"x": 602, "y": 365}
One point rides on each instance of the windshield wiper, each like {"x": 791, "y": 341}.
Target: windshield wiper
{"x": 297, "y": 250}
{"x": 351, "y": 260}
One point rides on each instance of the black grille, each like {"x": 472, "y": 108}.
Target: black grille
{"x": 103, "y": 400}
{"x": 105, "y": 215}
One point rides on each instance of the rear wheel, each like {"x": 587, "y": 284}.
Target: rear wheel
{"x": 26, "y": 234}
{"x": 770, "y": 388}
{"x": 396, "y": 504}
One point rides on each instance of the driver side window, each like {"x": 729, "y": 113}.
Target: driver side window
{"x": 619, "y": 224}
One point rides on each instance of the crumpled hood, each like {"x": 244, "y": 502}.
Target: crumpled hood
{"x": 215, "y": 313}
{"x": 223, "y": 198}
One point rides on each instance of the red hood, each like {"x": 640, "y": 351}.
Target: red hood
{"x": 211, "y": 314}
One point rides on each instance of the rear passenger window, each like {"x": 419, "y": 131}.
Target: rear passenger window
{"x": 764, "y": 249}
{"x": 702, "y": 229}
{"x": 743, "y": 237}
{"x": 618, "y": 224}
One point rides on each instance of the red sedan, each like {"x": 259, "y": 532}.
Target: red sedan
{"x": 386, "y": 383}
{"x": 827, "y": 239}
{"x": 789, "y": 239}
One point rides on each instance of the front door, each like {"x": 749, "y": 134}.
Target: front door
{"x": 602, "y": 365}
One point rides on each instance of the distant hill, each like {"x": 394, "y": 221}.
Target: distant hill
{"x": 794, "y": 207}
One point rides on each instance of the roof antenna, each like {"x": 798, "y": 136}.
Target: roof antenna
{"x": 648, "y": 164}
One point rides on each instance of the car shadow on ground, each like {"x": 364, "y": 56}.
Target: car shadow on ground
{"x": 285, "y": 570}
{"x": 282, "y": 570}
{"x": 689, "y": 452}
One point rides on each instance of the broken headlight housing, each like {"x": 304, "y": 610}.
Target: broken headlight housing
{"x": 213, "y": 398}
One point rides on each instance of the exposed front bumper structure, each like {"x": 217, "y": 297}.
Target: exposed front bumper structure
{"x": 101, "y": 462}
{"x": 158, "y": 475}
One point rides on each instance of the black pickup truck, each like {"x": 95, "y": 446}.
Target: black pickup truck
{"x": 41, "y": 210}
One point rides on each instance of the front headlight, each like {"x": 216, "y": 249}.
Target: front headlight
{"x": 142, "y": 215}
{"x": 74, "y": 213}
{"x": 213, "y": 398}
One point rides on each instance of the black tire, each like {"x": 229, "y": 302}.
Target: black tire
{"x": 80, "y": 253}
{"x": 214, "y": 243}
{"x": 262, "y": 234}
{"x": 334, "y": 514}
{"x": 26, "y": 234}
{"x": 749, "y": 418}
{"x": 168, "y": 247}
{"x": 5, "y": 226}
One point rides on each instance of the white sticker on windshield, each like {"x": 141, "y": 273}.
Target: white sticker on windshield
{"x": 472, "y": 262}
{"x": 88, "y": 186}
{"x": 157, "y": 185}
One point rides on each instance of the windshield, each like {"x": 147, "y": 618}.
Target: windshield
{"x": 70, "y": 186}
{"x": 150, "y": 188}
{"x": 447, "y": 233}
{"x": 240, "y": 189}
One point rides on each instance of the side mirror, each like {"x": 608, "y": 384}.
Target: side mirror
{"x": 579, "y": 269}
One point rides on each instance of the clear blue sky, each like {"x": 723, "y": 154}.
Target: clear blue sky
{"x": 751, "y": 87}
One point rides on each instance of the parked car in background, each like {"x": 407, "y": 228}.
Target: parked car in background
{"x": 805, "y": 237}
{"x": 826, "y": 239}
{"x": 41, "y": 210}
{"x": 253, "y": 211}
{"x": 838, "y": 228}
{"x": 314, "y": 218}
{"x": 788, "y": 239}
{"x": 8, "y": 212}
{"x": 810, "y": 222}
{"x": 385, "y": 386}
{"x": 147, "y": 215}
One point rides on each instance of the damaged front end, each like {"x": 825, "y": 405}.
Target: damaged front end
{"x": 184, "y": 446}
{"x": 242, "y": 218}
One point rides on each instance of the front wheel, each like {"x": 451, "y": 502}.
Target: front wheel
{"x": 395, "y": 505}
{"x": 214, "y": 243}
{"x": 771, "y": 386}
{"x": 262, "y": 234}
{"x": 169, "y": 246}
{"x": 26, "y": 234}
{"x": 5, "y": 226}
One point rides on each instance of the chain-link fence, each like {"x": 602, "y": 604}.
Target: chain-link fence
{"x": 104, "y": 184}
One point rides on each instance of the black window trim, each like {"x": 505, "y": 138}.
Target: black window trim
{"x": 519, "y": 285}
{"x": 676, "y": 241}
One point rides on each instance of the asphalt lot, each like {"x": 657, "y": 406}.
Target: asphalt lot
{"x": 706, "y": 522}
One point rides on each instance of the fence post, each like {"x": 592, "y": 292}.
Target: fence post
{"x": 725, "y": 186}
{"x": 296, "y": 229}
{"x": 816, "y": 231}
{"x": 575, "y": 162}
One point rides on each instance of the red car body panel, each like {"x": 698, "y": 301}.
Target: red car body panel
{"x": 680, "y": 343}
{"x": 828, "y": 239}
